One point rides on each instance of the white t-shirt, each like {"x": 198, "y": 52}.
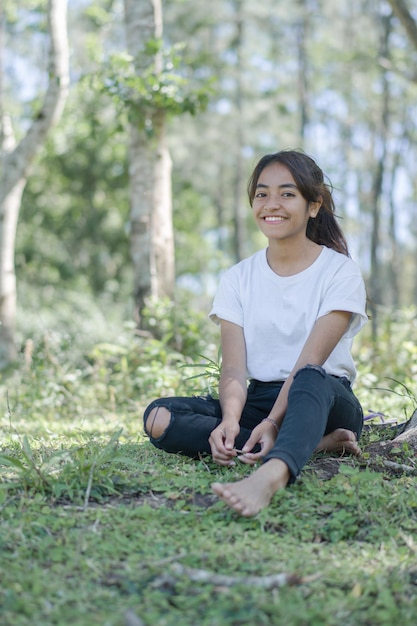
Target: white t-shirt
{"x": 277, "y": 313}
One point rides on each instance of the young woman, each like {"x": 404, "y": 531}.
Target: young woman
{"x": 287, "y": 316}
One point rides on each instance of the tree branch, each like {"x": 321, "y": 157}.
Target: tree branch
{"x": 402, "y": 12}
{"x": 272, "y": 581}
{"x": 20, "y": 160}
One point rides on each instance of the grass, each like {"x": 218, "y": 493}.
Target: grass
{"x": 350, "y": 540}
{"x": 99, "y": 528}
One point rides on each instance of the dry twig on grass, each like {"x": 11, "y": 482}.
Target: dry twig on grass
{"x": 408, "y": 469}
{"x": 269, "y": 582}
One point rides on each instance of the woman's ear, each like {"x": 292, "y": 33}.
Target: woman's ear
{"x": 314, "y": 208}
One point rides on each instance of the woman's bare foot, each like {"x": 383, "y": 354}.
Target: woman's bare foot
{"x": 252, "y": 494}
{"x": 340, "y": 440}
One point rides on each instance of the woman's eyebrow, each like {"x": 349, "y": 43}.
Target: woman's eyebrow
{"x": 283, "y": 186}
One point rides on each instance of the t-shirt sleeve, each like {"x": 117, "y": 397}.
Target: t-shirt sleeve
{"x": 346, "y": 292}
{"x": 227, "y": 303}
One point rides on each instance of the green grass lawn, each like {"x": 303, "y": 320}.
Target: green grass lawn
{"x": 96, "y": 525}
{"x": 99, "y": 528}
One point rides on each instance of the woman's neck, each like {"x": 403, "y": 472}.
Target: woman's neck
{"x": 287, "y": 260}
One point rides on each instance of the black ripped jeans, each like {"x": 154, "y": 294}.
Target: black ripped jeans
{"x": 318, "y": 403}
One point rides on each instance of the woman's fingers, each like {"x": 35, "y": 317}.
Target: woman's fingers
{"x": 249, "y": 458}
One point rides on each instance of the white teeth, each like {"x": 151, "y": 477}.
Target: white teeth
{"x": 274, "y": 219}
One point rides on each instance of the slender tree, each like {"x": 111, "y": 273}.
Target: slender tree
{"x": 302, "y": 33}
{"x": 151, "y": 236}
{"x": 239, "y": 212}
{"x": 394, "y": 265}
{"x": 381, "y": 141}
{"x": 17, "y": 159}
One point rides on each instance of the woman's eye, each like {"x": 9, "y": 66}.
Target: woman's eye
{"x": 260, "y": 194}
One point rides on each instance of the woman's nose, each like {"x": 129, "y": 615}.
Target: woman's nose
{"x": 272, "y": 201}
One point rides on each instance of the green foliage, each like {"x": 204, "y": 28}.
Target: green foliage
{"x": 388, "y": 366}
{"x": 196, "y": 241}
{"x": 79, "y": 474}
{"x": 105, "y": 364}
{"x": 178, "y": 326}
{"x": 73, "y": 229}
{"x": 153, "y": 88}
{"x": 208, "y": 376}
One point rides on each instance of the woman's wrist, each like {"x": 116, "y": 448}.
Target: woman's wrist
{"x": 271, "y": 421}
{"x": 230, "y": 419}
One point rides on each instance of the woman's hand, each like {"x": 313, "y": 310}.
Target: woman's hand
{"x": 264, "y": 435}
{"x": 222, "y": 442}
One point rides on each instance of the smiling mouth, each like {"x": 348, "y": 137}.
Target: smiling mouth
{"x": 274, "y": 218}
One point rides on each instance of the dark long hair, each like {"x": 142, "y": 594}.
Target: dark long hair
{"x": 309, "y": 178}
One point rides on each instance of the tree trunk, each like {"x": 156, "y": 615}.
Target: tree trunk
{"x": 375, "y": 284}
{"x": 394, "y": 265}
{"x": 302, "y": 32}
{"x": 161, "y": 222}
{"x": 151, "y": 236}
{"x": 239, "y": 211}
{"x": 16, "y": 164}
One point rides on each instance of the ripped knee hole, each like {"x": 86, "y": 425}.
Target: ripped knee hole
{"x": 157, "y": 422}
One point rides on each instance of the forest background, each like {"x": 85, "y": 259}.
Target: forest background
{"x": 338, "y": 82}
{"x": 100, "y": 330}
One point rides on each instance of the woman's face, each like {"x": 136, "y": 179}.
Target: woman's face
{"x": 280, "y": 210}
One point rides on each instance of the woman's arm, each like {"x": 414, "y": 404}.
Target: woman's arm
{"x": 233, "y": 379}
{"x": 232, "y": 392}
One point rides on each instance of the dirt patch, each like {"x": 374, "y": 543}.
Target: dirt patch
{"x": 395, "y": 456}
{"x": 326, "y": 467}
